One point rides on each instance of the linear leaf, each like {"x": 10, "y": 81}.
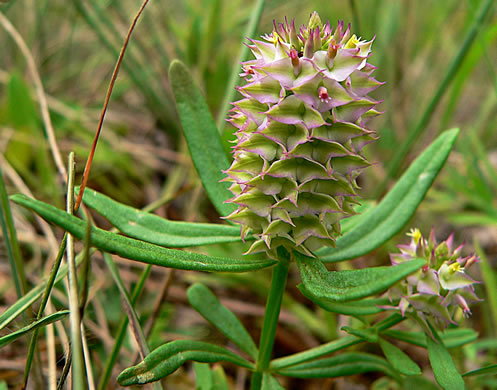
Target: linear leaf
{"x": 443, "y": 366}
{"x": 350, "y": 285}
{"x": 488, "y": 370}
{"x": 399, "y": 360}
{"x": 269, "y": 382}
{"x": 156, "y": 230}
{"x": 167, "y": 358}
{"x": 343, "y": 365}
{"x": 7, "y": 339}
{"x": 380, "y": 223}
{"x": 452, "y": 338}
{"x": 139, "y": 250}
{"x": 206, "y": 303}
{"x": 201, "y": 136}
{"x": 220, "y": 382}
{"x": 203, "y": 374}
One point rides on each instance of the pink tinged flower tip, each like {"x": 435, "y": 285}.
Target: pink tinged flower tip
{"x": 323, "y": 95}
{"x": 294, "y": 55}
{"x": 332, "y": 49}
{"x": 463, "y": 305}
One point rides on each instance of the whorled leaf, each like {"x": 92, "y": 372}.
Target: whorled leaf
{"x": 380, "y": 223}
{"x": 167, "y": 358}
{"x": 139, "y": 250}
{"x": 349, "y": 285}
{"x": 156, "y": 230}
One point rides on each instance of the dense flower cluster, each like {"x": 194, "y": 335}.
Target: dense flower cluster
{"x": 441, "y": 285}
{"x": 301, "y": 129}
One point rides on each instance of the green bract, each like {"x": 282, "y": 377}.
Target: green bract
{"x": 301, "y": 129}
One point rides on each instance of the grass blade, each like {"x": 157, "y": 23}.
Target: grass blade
{"x": 229, "y": 94}
{"x": 415, "y": 132}
{"x": 490, "y": 283}
{"x": 121, "y": 332}
{"x": 10, "y": 238}
{"x": 135, "y": 323}
{"x": 7, "y": 339}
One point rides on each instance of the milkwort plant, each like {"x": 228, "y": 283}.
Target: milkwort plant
{"x": 301, "y": 127}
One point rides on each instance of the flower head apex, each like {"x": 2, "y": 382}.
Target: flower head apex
{"x": 300, "y": 129}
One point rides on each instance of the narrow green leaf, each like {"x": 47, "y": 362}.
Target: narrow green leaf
{"x": 206, "y": 303}
{"x": 332, "y": 346}
{"x": 203, "y": 375}
{"x": 21, "y": 305}
{"x": 32, "y": 296}
{"x": 325, "y": 349}
{"x": 220, "y": 382}
{"x": 202, "y": 136}
{"x": 380, "y": 223}
{"x": 5, "y": 340}
{"x": 352, "y": 308}
{"x": 490, "y": 282}
{"x": 415, "y": 132}
{"x": 443, "y": 366}
{"x": 370, "y": 335}
{"x": 399, "y": 360}
{"x": 343, "y": 365}
{"x": 452, "y": 338}
{"x": 156, "y": 230}
{"x": 169, "y": 357}
{"x": 269, "y": 382}
{"x": 11, "y": 243}
{"x": 488, "y": 370}
{"x": 350, "y": 285}
{"x": 139, "y": 250}
{"x": 128, "y": 305}
{"x": 418, "y": 382}
{"x": 234, "y": 80}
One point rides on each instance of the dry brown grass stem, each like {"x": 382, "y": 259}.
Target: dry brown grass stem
{"x": 86, "y": 172}
{"x": 40, "y": 93}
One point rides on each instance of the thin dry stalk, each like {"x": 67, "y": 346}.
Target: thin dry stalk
{"x": 40, "y": 92}
{"x": 86, "y": 172}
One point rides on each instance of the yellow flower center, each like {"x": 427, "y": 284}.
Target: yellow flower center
{"x": 352, "y": 43}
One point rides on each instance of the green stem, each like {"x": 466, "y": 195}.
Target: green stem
{"x": 273, "y": 306}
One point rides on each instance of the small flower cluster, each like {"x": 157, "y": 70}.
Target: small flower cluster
{"x": 301, "y": 129}
{"x": 439, "y": 286}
